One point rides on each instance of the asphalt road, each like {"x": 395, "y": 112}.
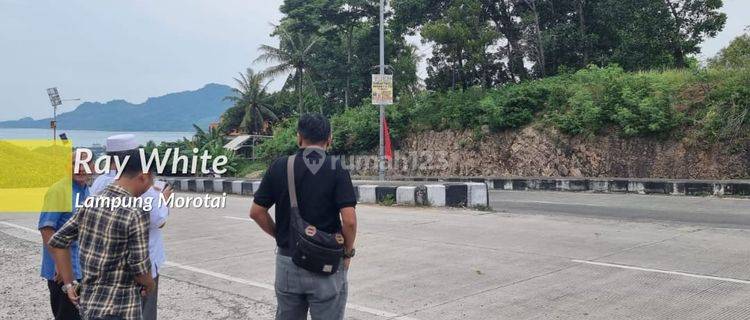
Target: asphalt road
{"x": 548, "y": 256}
{"x": 707, "y": 211}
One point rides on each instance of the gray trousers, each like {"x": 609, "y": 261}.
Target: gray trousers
{"x": 299, "y": 290}
{"x": 148, "y": 303}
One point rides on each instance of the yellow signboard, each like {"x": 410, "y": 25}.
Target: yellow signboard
{"x": 382, "y": 89}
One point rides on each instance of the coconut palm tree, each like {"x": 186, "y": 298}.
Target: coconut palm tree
{"x": 251, "y": 97}
{"x": 202, "y": 137}
{"x": 292, "y": 55}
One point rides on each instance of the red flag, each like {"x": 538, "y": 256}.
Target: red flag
{"x": 387, "y": 141}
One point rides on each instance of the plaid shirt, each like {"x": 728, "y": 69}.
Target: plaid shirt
{"x": 113, "y": 246}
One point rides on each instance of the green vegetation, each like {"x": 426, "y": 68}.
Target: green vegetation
{"x": 591, "y": 101}
{"x": 735, "y": 55}
{"x": 579, "y": 67}
{"x": 211, "y": 141}
{"x": 284, "y": 141}
{"x": 250, "y": 112}
{"x": 388, "y": 200}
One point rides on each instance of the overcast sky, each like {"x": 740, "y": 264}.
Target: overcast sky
{"x": 134, "y": 49}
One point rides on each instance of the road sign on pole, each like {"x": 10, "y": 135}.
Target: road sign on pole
{"x": 382, "y": 89}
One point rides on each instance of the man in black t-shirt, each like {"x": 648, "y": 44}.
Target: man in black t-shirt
{"x": 326, "y": 200}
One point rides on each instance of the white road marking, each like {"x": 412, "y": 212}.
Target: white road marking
{"x": 692, "y": 275}
{"x": 219, "y": 275}
{"x": 237, "y": 218}
{"x": 550, "y": 202}
{"x": 270, "y": 287}
{"x": 18, "y": 227}
{"x": 256, "y": 284}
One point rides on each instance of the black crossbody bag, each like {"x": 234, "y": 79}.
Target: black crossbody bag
{"x": 313, "y": 250}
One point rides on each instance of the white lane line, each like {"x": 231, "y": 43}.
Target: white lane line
{"x": 256, "y": 284}
{"x": 219, "y": 275}
{"x": 18, "y": 227}
{"x": 271, "y": 288}
{"x": 551, "y": 202}
{"x": 692, "y": 275}
{"x": 236, "y": 218}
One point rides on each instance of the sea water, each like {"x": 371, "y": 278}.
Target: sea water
{"x": 88, "y": 138}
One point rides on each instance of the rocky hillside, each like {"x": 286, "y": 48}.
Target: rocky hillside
{"x": 536, "y": 151}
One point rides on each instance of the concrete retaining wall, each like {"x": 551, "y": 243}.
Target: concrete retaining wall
{"x": 730, "y": 188}
{"x": 639, "y": 186}
{"x": 453, "y": 194}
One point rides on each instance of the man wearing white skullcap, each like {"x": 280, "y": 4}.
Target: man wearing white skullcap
{"x": 158, "y": 215}
{"x": 121, "y": 142}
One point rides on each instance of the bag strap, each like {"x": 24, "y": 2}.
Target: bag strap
{"x": 290, "y": 181}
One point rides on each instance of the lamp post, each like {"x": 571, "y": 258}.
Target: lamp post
{"x": 54, "y": 100}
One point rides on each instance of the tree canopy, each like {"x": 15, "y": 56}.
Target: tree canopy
{"x": 328, "y": 49}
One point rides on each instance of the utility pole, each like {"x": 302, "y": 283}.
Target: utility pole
{"x": 381, "y": 153}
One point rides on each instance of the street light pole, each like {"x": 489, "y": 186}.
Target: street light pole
{"x": 55, "y": 101}
{"x": 54, "y": 123}
{"x": 381, "y": 153}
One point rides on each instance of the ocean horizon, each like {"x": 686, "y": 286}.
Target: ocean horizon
{"x": 87, "y": 138}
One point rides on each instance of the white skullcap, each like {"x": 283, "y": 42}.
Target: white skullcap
{"x": 121, "y": 142}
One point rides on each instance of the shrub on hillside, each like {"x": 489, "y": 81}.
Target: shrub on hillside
{"x": 728, "y": 106}
{"x": 637, "y": 103}
{"x": 456, "y": 110}
{"x": 284, "y": 141}
{"x": 514, "y": 106}
{"x": 355, "y": 129}
{"x": 593, "y": 92}
{"x": 646, "y": 105}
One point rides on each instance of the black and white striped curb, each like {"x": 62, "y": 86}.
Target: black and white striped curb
{"x": 638, "y": 186}
{"x": 454, "y": 194}
{"x": 676, "y": 187}
{"x": 468, "y": 194}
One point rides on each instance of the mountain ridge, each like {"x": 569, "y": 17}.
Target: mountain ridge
{"x": 176, "y": 111}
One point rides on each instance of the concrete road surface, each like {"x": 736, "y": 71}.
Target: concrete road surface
{"x": 707, "y": 211}
{"x": 562, "y": 261}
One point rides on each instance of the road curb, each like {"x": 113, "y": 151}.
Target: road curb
{"x": 640, "y": 186}
{"x": 675, "y": 187}
{"x": 452, "y": 194}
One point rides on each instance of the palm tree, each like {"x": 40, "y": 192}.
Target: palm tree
{"x": 251, "y": 97}
{"x": 292, "y": 55}
{"x": 202, "y": 137}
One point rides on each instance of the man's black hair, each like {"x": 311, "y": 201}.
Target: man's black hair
{"x": 314, "y": 127}
{"x": 134, "y": 166}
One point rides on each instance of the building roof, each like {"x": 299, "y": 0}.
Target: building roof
{"x": 239, "y": 141}
{"x": 236, "y": 143}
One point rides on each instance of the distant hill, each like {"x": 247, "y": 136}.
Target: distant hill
{"x": 171, "y": 112}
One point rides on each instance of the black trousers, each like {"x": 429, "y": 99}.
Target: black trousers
{"x": 148, "y": 303}
{"x": 62, "y": 308}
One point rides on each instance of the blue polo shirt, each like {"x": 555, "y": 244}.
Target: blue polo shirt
{"x": 56, "y": 220}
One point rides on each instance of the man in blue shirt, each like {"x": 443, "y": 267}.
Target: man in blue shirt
{"x": 49, "y": 223}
